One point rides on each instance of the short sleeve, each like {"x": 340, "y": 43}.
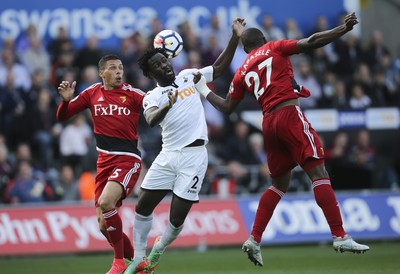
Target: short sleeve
{"x": 285, "y": 47}
{"x": 150, "y": 100}
{"x": 236, "y": 89}
{"x": 208, "y": 73}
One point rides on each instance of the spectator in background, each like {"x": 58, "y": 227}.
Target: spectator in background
{"x": 256, "y": 141}
{"x": 36, "y": 57}
{"x": 9, "y": 65}
{"x": 12, "y": 109}
{"x": 74, "y": 140}
{"x": 362, "y": 156}
{"x": 376, "y": 49}
{"x": 127, "y": 53}
{"x": 43, "y": 128}
{"x": 358, "y": 98}
{"x": 89, "y": 55}
{"x": 349, "y": 56}
{"x": 212, "y": 51}
{"x": 61, "y": 43}
{"x": 6, "y": 168}
{"x": 396, "y": 69}
{"x": 337, "y": 161}
{"x": 328, "y": 89}
{"x": 292, "y": 31}
{"x": 363, "y": 77}
{"x": 87, "y": 185}
{"x": 23, "y": 39}
{"x": 63, "y": 62}
{"x": 237, "y": 146}
{"x": 90, "y": 76}
{"x": 215, "y": 29}
{"x": 39, "y": 82}
{"x": 389, "y": 79}
{"x": 321, "y": 24}
{"x": 26, "y": 187}
{"x": 305, "y": 77}
{"x": 69, "y": 184}
{"x": 339, "y": 97}
{"x": 271, "y": 32}
{"x": 382, "y": 95}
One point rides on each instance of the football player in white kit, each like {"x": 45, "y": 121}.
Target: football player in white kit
{"x": 181, "y": 165}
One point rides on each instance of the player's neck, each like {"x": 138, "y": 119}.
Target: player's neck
{"x": 167, "y": 83}
{"x": 109, "y": 87}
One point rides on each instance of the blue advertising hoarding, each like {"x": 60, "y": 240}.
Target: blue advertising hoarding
{"x": 113, "y": 20}
{"x": 298, "y": 219}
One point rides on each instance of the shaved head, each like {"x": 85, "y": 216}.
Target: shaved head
{"x": 252, "y": 38}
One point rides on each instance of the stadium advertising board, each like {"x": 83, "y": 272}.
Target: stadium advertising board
{"x": 212, "y": 222}
{"x": 65, "y": 229}
{"x": 111, "y": 21}
{"x": 298, "y": 218}
{"x": 333, "y": 120}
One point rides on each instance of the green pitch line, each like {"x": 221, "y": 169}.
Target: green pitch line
{"x": 384, "y": 258}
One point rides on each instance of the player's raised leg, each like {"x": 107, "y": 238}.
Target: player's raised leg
{"x": 326, "y": 200}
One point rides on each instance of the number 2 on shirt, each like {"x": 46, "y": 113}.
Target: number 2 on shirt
{"x": 256, "y": 77}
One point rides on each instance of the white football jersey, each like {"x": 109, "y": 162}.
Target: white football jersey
{"x": 185, "y": 121}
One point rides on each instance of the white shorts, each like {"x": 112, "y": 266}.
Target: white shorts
{"x": 181, "y": 171}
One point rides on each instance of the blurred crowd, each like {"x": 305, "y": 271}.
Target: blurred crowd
{"x": 44, "y": 160}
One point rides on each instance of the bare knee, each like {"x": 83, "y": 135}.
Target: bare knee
{"x": 317, "y": 172}
{"x": 177, "y": 221}
{"x": 105, "y": 204}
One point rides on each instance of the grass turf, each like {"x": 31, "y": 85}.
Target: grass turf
{"x": 384, "y": 257}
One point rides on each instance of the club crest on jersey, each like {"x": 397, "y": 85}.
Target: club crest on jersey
{"x": 122, "y": 99}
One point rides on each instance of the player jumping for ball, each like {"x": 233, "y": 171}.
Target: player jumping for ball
{"x": 289, "y": 138}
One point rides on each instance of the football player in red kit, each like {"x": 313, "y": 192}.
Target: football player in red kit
{"x": 115, "y": 107}
{"x": 289, "y": 138}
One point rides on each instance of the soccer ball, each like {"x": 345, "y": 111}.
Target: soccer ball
{"x": 170, "y": 41}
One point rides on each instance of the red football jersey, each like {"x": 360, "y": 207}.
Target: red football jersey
{"x": 115, "y": 116}
{"x": 268, "y": 75}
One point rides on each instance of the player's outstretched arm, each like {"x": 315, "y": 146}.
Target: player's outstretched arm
{"x": 226, "y": 105}
{"x": 155, "y": 115}
{"x": 225, "y": 58}
{"x": 323, "y": 38}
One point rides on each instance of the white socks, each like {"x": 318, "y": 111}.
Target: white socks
{"x": 169, "y": 235}
{"x": 141, "y": 230}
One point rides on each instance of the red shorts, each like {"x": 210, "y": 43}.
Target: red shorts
{"x": 120, "y": 168}
{"x": 290, "y": 140}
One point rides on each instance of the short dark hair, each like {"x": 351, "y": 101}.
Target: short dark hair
{"x": 144, "y": 60}
{"x": 252, "y": 38}
{"x": 106, "y": 58}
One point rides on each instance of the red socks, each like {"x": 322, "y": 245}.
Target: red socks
{"x": 325, "y": 198}
{"x": 128, "y": 248}
{"x": 114, "y": 230}
{"x": 268, "y": 201}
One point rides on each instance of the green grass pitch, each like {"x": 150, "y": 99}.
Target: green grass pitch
{"x": 384, "y": 257}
